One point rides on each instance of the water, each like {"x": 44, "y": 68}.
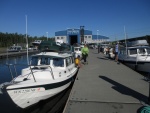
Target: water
{"x": 21, "y": 62}
{"x": 51, "y": 105}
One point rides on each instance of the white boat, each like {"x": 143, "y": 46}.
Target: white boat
{"x": 14, "y": 49}
{"x": 49, "y": 73}
{"x": 136, "y": 55}
{"x": 36, "y": 42}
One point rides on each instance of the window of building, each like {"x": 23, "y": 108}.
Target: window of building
{"x": 85, "y": 36}
{"x": 61, "y": 37}
{"x": 57, "y": 37}
{"x": 89, "y": 36}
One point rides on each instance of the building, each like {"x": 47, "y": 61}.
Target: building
{"x": 72, "y": 36}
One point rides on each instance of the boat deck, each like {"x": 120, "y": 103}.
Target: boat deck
{"x": 103, "y": 86}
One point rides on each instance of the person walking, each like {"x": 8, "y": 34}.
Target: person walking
{"x": 85, "y": 52}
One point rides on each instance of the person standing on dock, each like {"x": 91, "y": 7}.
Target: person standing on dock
{"x": 85, "y": 52}
{"x": 116, "y": 52}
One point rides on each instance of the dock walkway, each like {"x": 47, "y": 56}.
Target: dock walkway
{"x": 103, "y": 86}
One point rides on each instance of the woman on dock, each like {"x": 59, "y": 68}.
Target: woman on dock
{"x": 85, "y": 52}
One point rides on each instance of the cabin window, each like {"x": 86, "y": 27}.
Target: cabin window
{"x": 34, "y": 61}
{"x": 133, "y": 51}
{"x": 142, "y": 51}
{"x": 45, "y": 61}
{"x": 122, "y": 51}
{"x": 68, "y": 61}
{"x": 58, "y": 62}
{"x": 148, "y": 50}
{"x": 72, "y": 58}
{"x": 76, "y": 49}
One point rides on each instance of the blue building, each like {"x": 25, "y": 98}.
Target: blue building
{"x": 72, "y": 36}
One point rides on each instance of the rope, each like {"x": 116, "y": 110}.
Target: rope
{"x": 145, "y": 109}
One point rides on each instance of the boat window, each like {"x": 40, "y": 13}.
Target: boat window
{"x": 68, "y": 61}
{"x": 34, "y": 61}
{"x": 142, "y": 51}
{"x": 148, "y": 50}
{"x": 58, "y": 62}
{"x": 72, "y": 58}
{"x": 76, "y": 49}
{"x": 122, "y": 51}
{"x": 45, "y": 61}
{"x": 133, "y": 51}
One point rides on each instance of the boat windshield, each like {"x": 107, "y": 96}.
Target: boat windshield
{"x": 58, "y": 62}
{"x": 77, "y": 49}
{"x": 148, "y": 50}
{"x": 40, "y": 61}
{"x": 142, "y": 51}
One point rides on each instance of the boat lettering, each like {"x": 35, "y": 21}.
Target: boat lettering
{"x": 20, "y": 91}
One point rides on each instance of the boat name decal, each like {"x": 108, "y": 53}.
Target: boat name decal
{"x": 20, "y": 91}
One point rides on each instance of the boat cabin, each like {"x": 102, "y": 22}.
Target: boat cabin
{"x": 53, "y": 61}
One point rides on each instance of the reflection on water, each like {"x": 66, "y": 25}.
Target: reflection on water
{"x": 20, "y": 63}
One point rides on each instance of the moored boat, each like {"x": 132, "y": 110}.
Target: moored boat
{"x": 49, "y": 73}
{"x": 136, "y": 55}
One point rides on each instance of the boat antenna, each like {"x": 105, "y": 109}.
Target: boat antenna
{"x": 27, "y": 42}
{"x": 125, "y": 39}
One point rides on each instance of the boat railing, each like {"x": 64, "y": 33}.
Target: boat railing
{"x": 13, "y": 66}
{"x": 42, "y": 66}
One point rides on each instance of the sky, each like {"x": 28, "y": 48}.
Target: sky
{"x": 111, "y": 18}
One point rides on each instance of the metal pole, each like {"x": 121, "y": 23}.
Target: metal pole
{"x": 97, "y": 37}
{"x": 27, "y": 41}
{"x": 47, "y": 35}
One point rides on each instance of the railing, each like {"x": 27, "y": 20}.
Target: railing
{"x": 42, "y": 66}
{"x": 31, "y": 68}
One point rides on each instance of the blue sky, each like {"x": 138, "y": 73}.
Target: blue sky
{"x": 110, "y": 17}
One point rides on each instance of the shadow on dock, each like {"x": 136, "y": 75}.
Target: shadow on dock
{"x": 125, "y": 90}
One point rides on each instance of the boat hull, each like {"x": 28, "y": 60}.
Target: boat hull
{"x": 139, "y": 66}
{"x": 27, "y": 96}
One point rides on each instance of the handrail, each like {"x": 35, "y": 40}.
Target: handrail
{"x": 42, "y": 66}
{"x": 10, "y": 70}
{"x": 30, "y": 66}
{"x": 14, "y": 66}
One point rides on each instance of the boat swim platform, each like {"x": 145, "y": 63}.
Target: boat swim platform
{"x": 103, "y": 86}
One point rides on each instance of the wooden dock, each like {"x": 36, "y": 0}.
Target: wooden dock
{"x": 13, "y": 54}
{"x": 103, "y": 86}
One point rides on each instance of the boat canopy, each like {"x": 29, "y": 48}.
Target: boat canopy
{"x": 137, "y": 43}
{"x": 46, "y": 46}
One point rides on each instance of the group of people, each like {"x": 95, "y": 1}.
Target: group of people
{"x": 85, "y": 52}
{"x": 115, "y": 51}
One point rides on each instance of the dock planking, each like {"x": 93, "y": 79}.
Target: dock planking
{"x": 103, "y": 86}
